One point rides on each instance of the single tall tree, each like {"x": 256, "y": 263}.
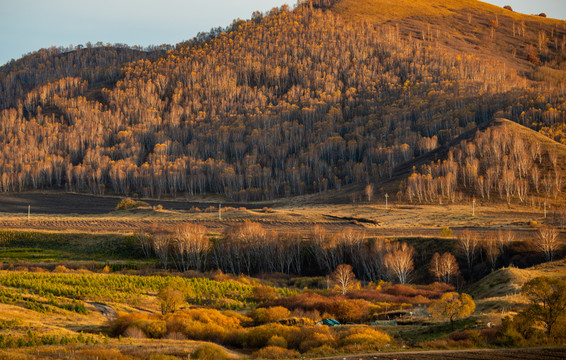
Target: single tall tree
{"x": 548, "y": 300}
{"x": 547, "y": 241}
{"x": 452, "y": 306}
{"x": 344, "y": 277}
{"x": 399, "y": 263}
{"x": 468, "y": 245}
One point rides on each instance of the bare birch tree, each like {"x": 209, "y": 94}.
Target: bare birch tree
{"x": 399, "y": 263}
{"x": 189, "y": 246}
{"x": 547, "y": 241}
{"x": 468, "y": 246}
{"x": 344, "y": 277}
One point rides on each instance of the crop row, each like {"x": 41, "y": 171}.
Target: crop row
{"x": 116, "y": 287}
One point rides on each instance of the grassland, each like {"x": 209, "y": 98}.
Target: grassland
{"x": 48, "y": 308}
{"x": 381, "y": 11}
{"x": 301, "y": 214}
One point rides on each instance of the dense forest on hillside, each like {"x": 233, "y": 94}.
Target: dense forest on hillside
{"x": 97, "y": 64}
{"x": 497, "y": 162}
{"x": 287, "y": 103}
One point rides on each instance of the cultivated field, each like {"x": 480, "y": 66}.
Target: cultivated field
{"x": 75, "y": 212}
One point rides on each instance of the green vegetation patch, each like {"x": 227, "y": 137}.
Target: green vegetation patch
{"x": 121, "y": 288}
{"x": 39, "y": 246}
{"x": 128, "y": 203}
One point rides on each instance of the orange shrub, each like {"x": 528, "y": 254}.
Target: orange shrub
{"x": 243, "y": 320}
{"x": 60, "y": 269}
{"x": 270, "y": 314}
{"x": 351, "y": 310}
{"x": 321, "y": 351}
{"x": 318, "y": 337}
{"x": 259, "y": 336}
{"x": 306, "y": 301}
{"x": 263, "y": 293}
{"x": 154, "y": 329}
{"x": 364, "y": 336}
{"x": 230, "y": 319}
{"x": 275, "y": 352}
{"x": 278, "y": 341}
{"x": 99, "y": 353}
{"x": 210, "y": 352}
{"x": 124, "y": 320}
{"x": 196, "y": 330}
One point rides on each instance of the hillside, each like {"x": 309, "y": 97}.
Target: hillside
{"x": 472, "y": 26}
{"x": 100, "y": 65}
{"x": 288, "y": 103}
{"x": 508, "y": 281}
{"x": 502, "y": 160}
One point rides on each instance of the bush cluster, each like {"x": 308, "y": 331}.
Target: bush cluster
{"x": 232, "y": 329}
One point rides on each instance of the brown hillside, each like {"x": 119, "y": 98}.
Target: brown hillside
{"x": 293, "y": 102}
{"x": 473, "y": 27}
{"x": 508, "y": 281}
{"x": 551, "y": 165}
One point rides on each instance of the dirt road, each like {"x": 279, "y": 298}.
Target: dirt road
{"x": 553, "y": 353}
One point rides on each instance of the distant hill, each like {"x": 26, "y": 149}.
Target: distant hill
{"x": 99, "y": 65}
{"x": 290, "y": 102}
{"x": 466, "y": 25}
{"x": 508, "y": 281}
{"x": 501, "y": 160}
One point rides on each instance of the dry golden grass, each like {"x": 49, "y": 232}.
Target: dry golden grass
{"x": 381, "y": 11}
{"x": 115, "y": 350}
{"x": 508, "y": 281}
{"x": 296, "y": 215}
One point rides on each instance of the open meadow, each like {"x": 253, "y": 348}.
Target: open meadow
{"x": 78, "y": 284}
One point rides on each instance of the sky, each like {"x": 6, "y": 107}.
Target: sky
{"x": 29, "y": 25}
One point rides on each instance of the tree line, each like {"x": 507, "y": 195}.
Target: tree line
{"x": 248, "y": 248}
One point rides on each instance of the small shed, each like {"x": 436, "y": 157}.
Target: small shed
{"x": 328, "y": 322}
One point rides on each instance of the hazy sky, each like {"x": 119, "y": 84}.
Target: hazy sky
{"x": 28, "y": 25}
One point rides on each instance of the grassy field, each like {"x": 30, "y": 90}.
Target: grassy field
{"x": 374, "y": 218}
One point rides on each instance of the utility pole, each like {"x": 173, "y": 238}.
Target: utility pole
{"x": 386, "y": 196}
{"x": 474, "y": 207}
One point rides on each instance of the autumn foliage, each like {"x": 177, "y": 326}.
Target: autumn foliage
{"x": 287, "y": 103}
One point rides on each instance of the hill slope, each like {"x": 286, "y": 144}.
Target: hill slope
{"x": 503, "y": 160}
{"x": 469, "y": 25}
{"x": 99, "y": 65}
{"x": 287, "y": 103}
{"x": 508, "y": 281}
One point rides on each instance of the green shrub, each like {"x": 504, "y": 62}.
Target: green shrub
{"x": 508, "y": 334}
{"x": 446, "y": 232}
{"x": 128, "y": 203}
{"x": 278, "y": 341}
